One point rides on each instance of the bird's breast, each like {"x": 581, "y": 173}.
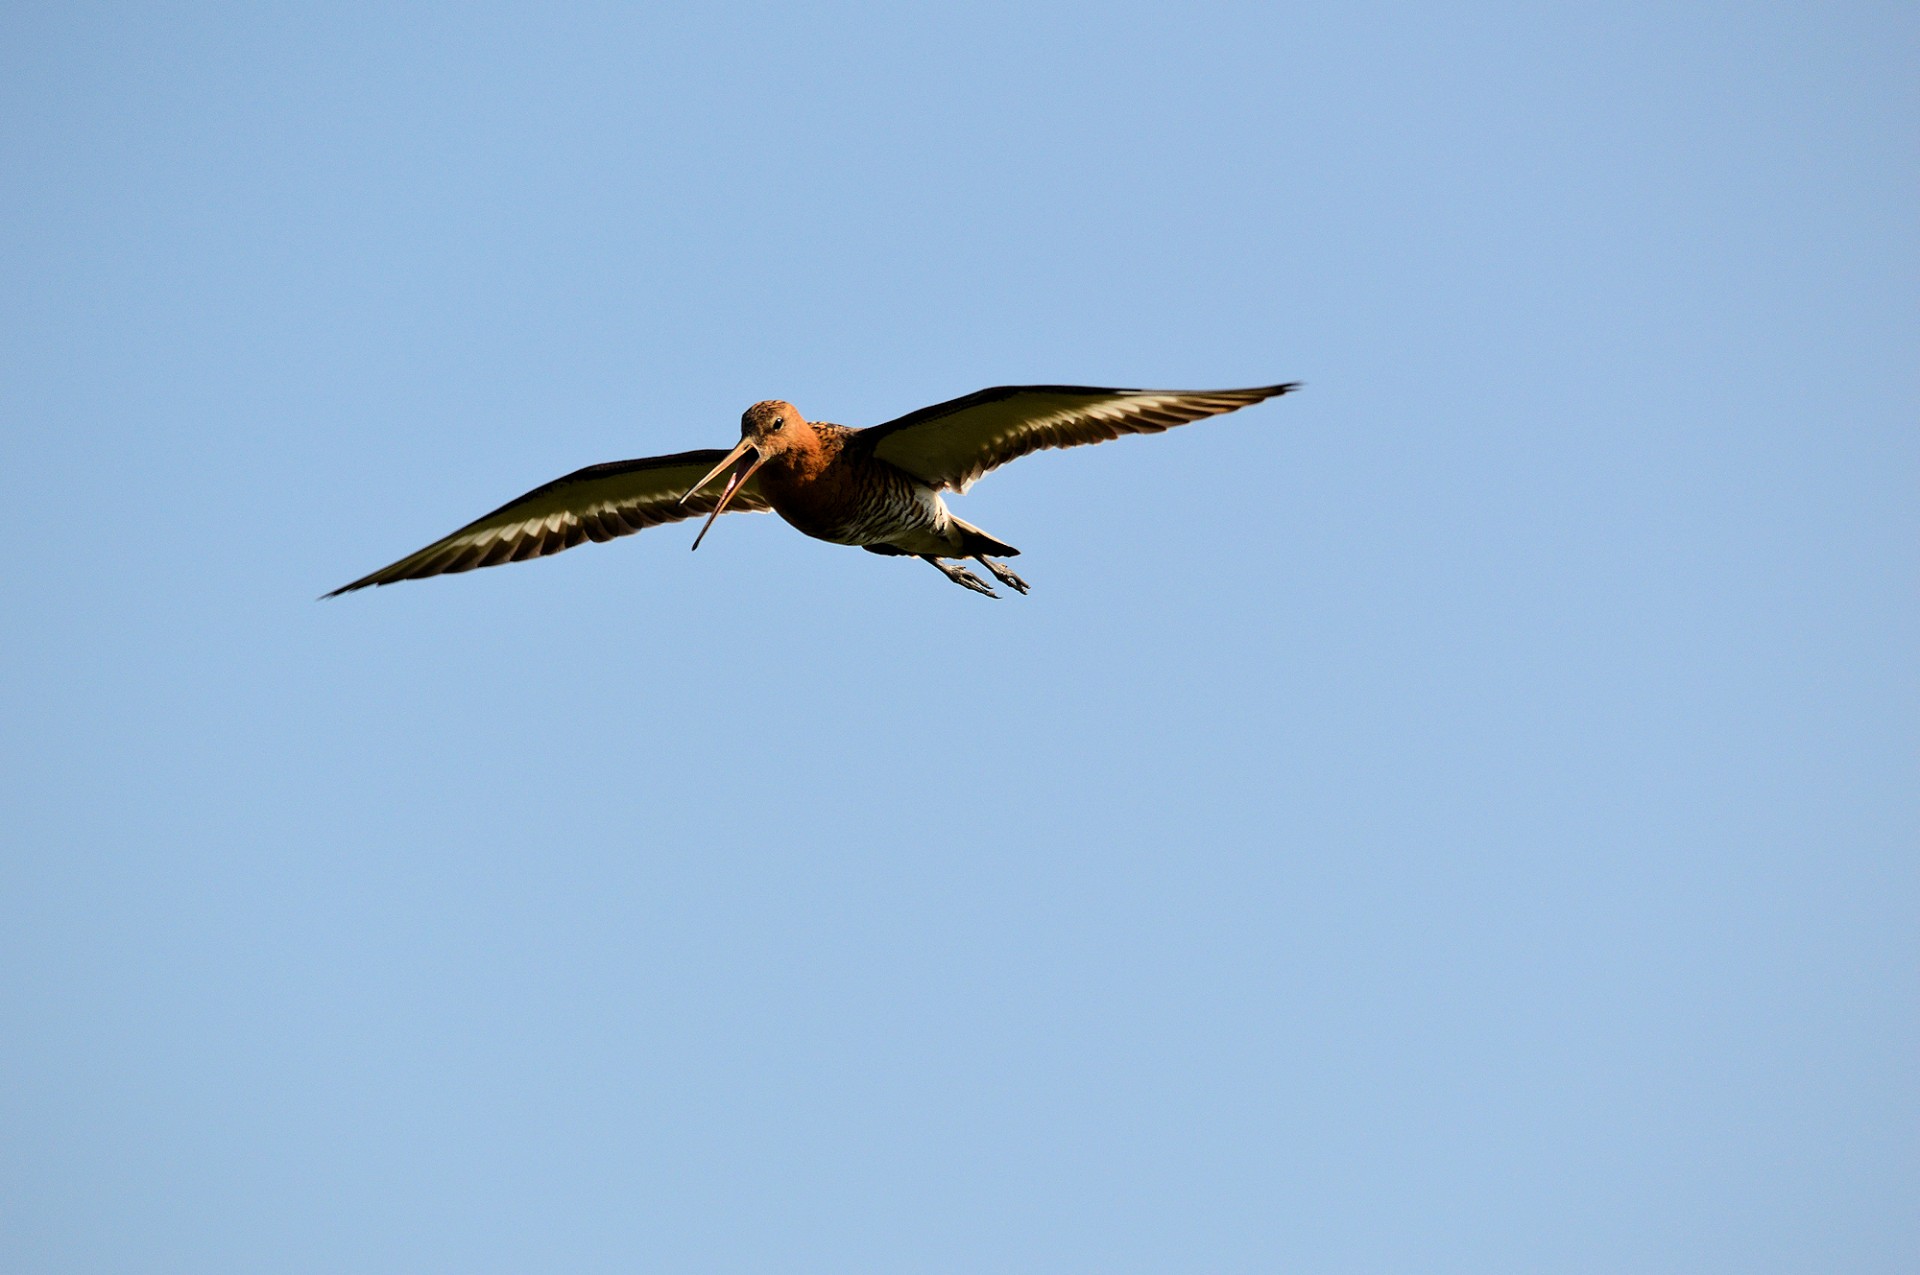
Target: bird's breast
{"x": 851, "y": 501}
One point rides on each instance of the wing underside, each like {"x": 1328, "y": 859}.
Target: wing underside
{"x": 951, "y": 444}
{"x": 598, "y": 503}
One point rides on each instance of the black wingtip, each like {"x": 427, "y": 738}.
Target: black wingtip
{"x": 347, "y": 588}
{"x": 1263, "y": 392}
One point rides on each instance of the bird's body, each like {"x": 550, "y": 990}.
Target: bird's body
{"x": 830, "y": 488}
{"x": 877, "y": 488}
{"x": 825, "y": 488}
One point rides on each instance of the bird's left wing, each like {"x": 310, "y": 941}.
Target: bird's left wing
{"x": 595, "y": 503}
{"x": 950, "y": 444}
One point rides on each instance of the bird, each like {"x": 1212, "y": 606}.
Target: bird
{"x": 878, "y": 488}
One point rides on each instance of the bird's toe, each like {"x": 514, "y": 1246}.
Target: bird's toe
{"x": 1004, "y": 575}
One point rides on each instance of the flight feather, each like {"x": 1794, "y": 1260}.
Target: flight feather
{"x": 599, "y": 502}
{"x": 951, "y": 444}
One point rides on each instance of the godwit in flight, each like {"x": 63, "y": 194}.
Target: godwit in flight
{"x": 878, "y": 488}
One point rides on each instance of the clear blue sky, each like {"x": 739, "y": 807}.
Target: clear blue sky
{"x": 1460, "y": 818}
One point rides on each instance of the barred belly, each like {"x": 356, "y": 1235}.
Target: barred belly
{"x": 899, "y": 512}
{"x": 871, "y": 504}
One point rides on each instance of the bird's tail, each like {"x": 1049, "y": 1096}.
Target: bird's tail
{"x": 974, "y": 542}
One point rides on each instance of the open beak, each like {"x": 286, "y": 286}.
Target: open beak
{"x": 738, "y": 479}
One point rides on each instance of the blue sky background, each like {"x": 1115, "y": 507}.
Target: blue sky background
{"x": 1459, "y": 818}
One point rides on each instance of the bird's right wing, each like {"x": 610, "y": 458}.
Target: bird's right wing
{"x": 595, "y": 503}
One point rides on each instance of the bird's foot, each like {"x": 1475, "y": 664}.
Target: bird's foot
{"x": 1003, "y": 575}
{"x": 962, "y": 577}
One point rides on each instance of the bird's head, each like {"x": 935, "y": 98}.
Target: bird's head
{"x": 773, "y": 427}
{"x": 766, "y": 430}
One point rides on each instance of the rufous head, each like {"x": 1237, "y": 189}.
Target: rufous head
{"x": 772, "y": 426}
{"x": 766, "y": 430}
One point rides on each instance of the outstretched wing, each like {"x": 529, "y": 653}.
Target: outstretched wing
{"x": 595, "y": 503}
{"x": 951, "y": 444}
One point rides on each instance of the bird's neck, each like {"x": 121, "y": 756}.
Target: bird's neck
{"x": 810, "y": 453}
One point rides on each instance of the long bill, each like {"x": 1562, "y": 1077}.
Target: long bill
{"x": 734, "y": 483}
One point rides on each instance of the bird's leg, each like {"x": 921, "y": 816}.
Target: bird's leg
{"x": 1002, "y": 574}
{"x": 960, "y": 575}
